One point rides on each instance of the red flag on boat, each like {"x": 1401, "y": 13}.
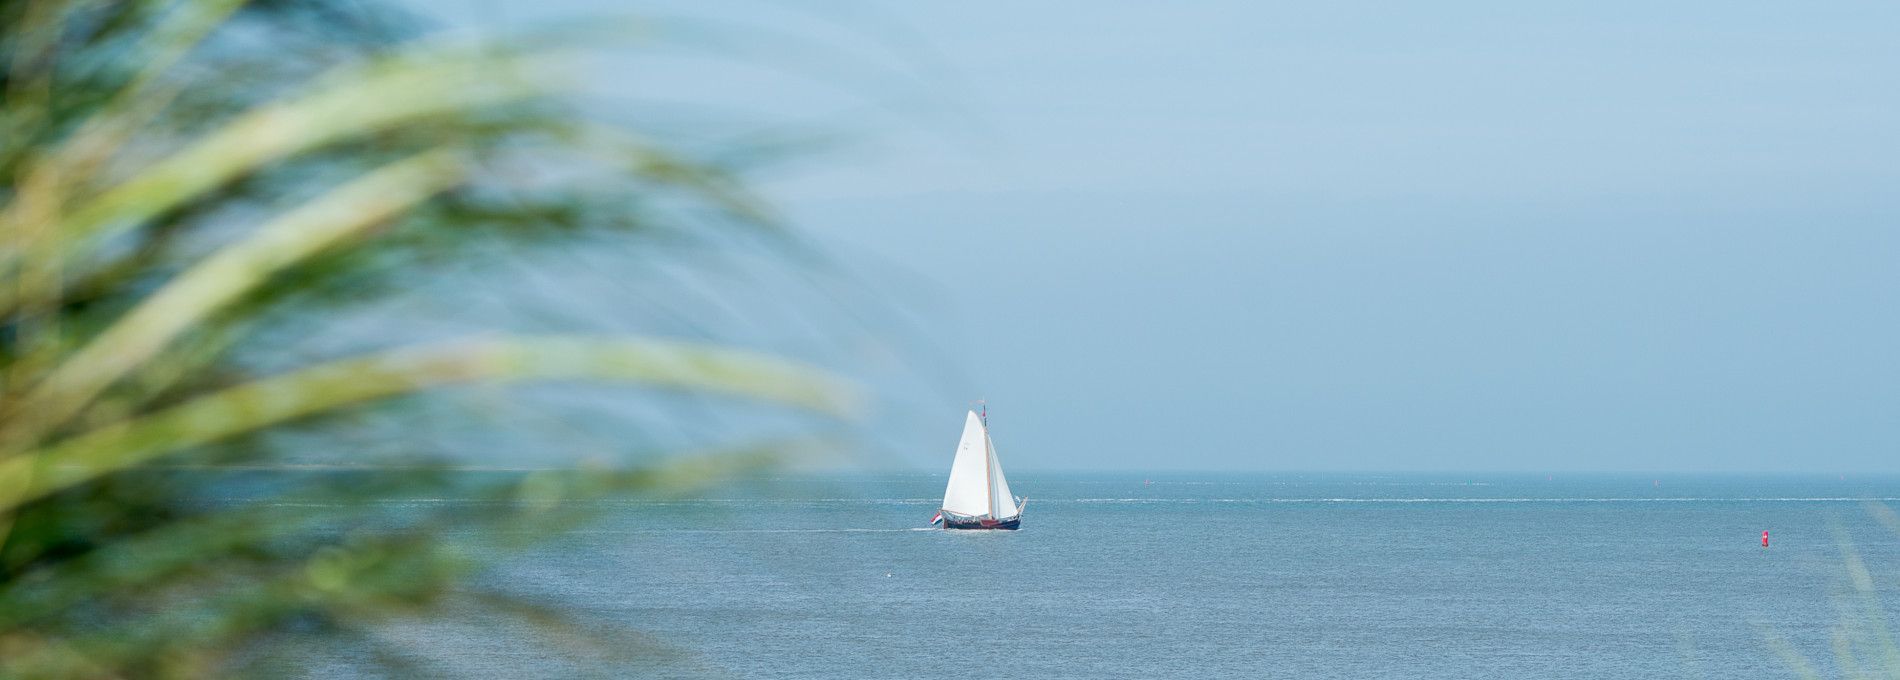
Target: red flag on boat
{"x": 937, "y": 519}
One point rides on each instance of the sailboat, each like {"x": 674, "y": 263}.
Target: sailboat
{"x": 978, "y": 496}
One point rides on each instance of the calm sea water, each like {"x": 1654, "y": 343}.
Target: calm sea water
{"x": 1203, "y": 575}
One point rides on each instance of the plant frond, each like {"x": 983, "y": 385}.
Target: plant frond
{"x": 224, "y": 277}
{"x": 325, "y": 387}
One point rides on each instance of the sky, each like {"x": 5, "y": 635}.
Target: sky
{"x": 1341, "y": 236}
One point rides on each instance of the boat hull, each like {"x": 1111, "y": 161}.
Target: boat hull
{"x": 966, "y": 523}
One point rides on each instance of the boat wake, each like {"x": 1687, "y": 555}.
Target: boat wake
{"x": 1822, "y": 499}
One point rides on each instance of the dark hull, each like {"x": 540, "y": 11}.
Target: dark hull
{"x": 981, "y": 523}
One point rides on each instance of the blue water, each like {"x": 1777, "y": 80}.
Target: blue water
{"x": 1207, "y": 575}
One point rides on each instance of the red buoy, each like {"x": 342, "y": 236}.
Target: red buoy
{"x": 1764, "y": 539}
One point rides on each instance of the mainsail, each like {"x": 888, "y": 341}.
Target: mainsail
{"x": 969, "y": 490}
{"x": 977, "y": 487}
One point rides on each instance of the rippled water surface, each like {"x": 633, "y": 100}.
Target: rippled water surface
{"x": 1310, "y": 576}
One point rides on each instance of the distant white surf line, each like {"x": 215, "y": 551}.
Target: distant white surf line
{"x": 1828, "y": 499}
{"x": 921, "y": 501}
{"x": 1039, "y": 501}
{"x": 398, "y": 502}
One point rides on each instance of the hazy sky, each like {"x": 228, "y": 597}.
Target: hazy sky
{"x": 1451, "y": 236}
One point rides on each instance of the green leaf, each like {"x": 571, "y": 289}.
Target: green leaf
{"x": 330, "y": 386}
{"x": 226, "y": 276}
{"x": 352, "y": 101}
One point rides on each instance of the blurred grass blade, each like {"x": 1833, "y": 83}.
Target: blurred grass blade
{"x": 158, "y": 231}
{"x": 641, "y": 158}
{"x": 356, "y": 100}
{"x": 226, "y": 276}
{"x": 1883, "y": 514}
{"x": 363, "y": 578}
{"x": 46, "y": 182}
{"x": 32, "y": 44}
{"x": 326, "y": 387}
{"x": 1870, "y": 614}
{"x": 138, "y": 102}
{"x": 146, "y": 560}
{"x": 151, "y": 559}
{"x": 1796, "y": 662}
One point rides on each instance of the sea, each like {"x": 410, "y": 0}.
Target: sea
{"x": 1198, "y": 575}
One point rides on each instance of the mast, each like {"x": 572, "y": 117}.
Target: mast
{"x": 989, "y": 476}
{"x": 989, "y": 454}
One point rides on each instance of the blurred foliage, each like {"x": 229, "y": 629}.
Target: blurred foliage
{"x": 184, "y": 179}
{"x": 1862, "y": 640}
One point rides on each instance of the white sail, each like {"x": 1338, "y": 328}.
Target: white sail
{"x": 969, "y": 490}
{"x": 1004, "y": 504}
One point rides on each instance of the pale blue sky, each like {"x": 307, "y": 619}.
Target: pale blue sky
{"x": 1446, "y": 236}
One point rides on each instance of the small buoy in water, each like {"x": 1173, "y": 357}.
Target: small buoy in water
{"x": 1764, "y": 539}
{"x": 888, "y": 574}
